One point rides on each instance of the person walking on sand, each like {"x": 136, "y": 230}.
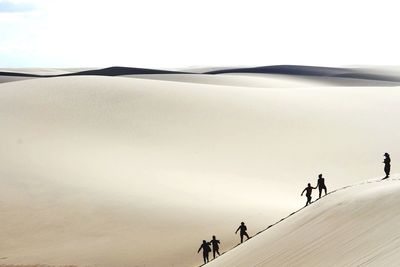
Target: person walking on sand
{"x": 243, "y": 232}
{"x": 206, "y": 249}
{"x": 215, "y": 246}
{"x": 321, "y": 185}
{"x": 308, "y": 191}
{"x": 386, "y": 161}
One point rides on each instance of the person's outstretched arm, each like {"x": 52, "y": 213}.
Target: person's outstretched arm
{"x": 237, "y": 230}
{"x": 199, "y": 248}
{"x": 303, "y": 191}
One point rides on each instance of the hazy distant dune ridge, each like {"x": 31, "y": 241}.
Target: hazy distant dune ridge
{"x": 355, "y": 73}
{"x": 111, "y": 71}
{"x": 361, "y": 73}
{"x": 323, "y": 75}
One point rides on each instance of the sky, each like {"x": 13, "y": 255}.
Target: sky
{"x": 195, "y": 33}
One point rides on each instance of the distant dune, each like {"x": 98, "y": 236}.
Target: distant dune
{"x": 111, "y": 71}
{"x": 137, "y": 171}
{"x": 322, "y": 75}
{"x": 355, "y": 73}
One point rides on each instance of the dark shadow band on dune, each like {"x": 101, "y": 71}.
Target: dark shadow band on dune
{"x": 111, "y": 71}
{"x": 335, "y": 76}
{"x": 299, "y": 70}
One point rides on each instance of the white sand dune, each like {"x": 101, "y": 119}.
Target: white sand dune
{"x": 18, "y": 73}
{"x": 43, "y": 71}
{"x": 113, "y": 171}
{"x": 265, "y": 80}
{"x": 236, "y": 80}
{"x": 356, "y": 226}
{"x": 7, "y": 79}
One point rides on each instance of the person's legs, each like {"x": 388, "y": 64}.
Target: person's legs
{"x": 207, "y": 257}
{"x": 214, "y": 253}
{"x": 204, "y": 258}
{"x": 387, "y": 170}
{"x": 241, "y": 238}
{"x": 326, "y": 190}
{"x": 247, "y": 236}
{"x": 218, "y": 252}
{"x": 308, "y": 200}
{"x": 320, "y": 191}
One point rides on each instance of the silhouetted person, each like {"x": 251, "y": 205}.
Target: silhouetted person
{"x": 321, "y": 185}
{"x": 308, "y": 191}
{"x": 215, "y": 246}
{"x": 387, "y": 165}
{"x": 243, "y": 232}
{"x": 206, "y": 249}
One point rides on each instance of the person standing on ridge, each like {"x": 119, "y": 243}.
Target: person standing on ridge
{"x": 387, "y": 165}
{"x": 308, "y": 191}
{"x": 215, "y": 246}
{"x": 321, "y": 185}
{"x": 243, "y": 232}
{"x": 206, "y": 249}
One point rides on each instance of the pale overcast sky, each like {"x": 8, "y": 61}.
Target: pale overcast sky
{"x": 182, "y": 33}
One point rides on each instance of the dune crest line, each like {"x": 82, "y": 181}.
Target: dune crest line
{"x": 297, "y": 211}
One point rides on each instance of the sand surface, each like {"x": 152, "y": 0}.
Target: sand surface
{"x": 6, "y": 79}
{"x": 115, "y": 171}
{"x": 356, "y": 226}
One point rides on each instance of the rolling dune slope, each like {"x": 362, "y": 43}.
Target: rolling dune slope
{"x": 356, "y": 226}
{"x": 114, "y": 171}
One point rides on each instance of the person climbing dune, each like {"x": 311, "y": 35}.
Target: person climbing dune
{"x": 321, "y": 185}
{"x": 206, "y": 249}
{"x": 308, "y": 191}
{"x": 386, "y": 161}
{"x": 215, "y": 245}
{"x": 243, "y": 229}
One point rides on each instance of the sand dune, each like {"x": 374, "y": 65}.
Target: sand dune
{"x": 7, "y": 79}
{"x": 266, "y": 80}
{"x": 355, "y": 73}
{"x": 265, "y": 76}
{"x": 356, "y": 226}
{"x": 269, "y": 76}
{"x": 261, "y": 81}
{"x": 111, "y": 71}
{"x": 388, "y": 74}
{"x": 114, "y": 171}
{"x": 42, "y": 71}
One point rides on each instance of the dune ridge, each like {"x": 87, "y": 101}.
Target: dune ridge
{"x": 265, "y": 76}
{"x": 355, "y": 73}
{"x": 268, "y": 249}
{"x": 110, "y": 71}
{"x": 296, "y": 70}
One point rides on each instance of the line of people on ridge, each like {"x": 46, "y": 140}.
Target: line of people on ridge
{"x": 321, "y": 181}
{"x": 214, "y": 243}
{"x": 243, "y": 228}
